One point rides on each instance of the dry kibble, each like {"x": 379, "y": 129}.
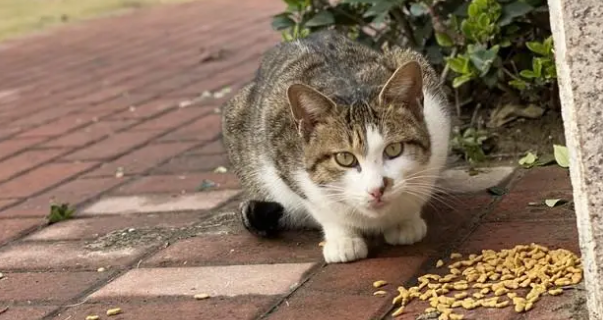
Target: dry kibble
{"x": 502, "y": 273}
{"x": 398, "y": 311}
{"x": 201, "y": 296}
{"x": 380, "y": 283}
{"x": 93, "y": 317}
{"x": 380, "y": 293}
{"x": 113, "y": 312}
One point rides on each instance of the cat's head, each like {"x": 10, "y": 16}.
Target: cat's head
{"x": 366, "y": 154}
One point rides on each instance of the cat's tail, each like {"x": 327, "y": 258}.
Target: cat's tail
{"x": 262, "y": 218}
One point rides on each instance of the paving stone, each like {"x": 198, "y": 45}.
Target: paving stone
{"x": 204, "y": 129}
{"x": 6, "y": 202}
{"x": 142, "y": 159}
{"x": 189, "y": 163}
{"x": 47, "y": 286}
{"x": 239, "y": 308}
{"x": 89, "y": 134}
{"x": 506, "y": 235}
{"x": 525, "y": 206}
{"x": 240, "y": 249}
{"x": 266, "y": 279}
{"x": 172, "y": 119}
{"x": 27, "y": 160}
{"x": 73, "y": 193}
{"x": 146, "y": 110}
{"x": 59, "y": 126}
{"x": 321, "y": 305}
{"x": 113, "y": 146}
{"x": 357, "y": 278}
{"x": 544, "y": 178}
{"x": 12, "y": 146}
{"x": 26, "y": 313}
{"x": 91, "y": 228}
{"x": 60, "y": 255}
{"x": 12, "y": 228}
{"x": 42, "y": 178}
{"x": 459, "y": 180}
{"x": 160, "y": 203}
{"x": 184, "y": 183}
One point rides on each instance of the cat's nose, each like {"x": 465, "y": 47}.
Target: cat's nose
{"x": 377, "y": 193}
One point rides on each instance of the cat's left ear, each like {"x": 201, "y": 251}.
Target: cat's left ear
{"x": 308, "y": 106}
{"x": 404, "y": 86}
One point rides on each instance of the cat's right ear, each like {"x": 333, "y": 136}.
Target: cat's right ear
{"x": 308, "y": 106}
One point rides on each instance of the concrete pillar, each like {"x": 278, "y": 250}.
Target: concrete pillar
{"x": 578, "y": 36}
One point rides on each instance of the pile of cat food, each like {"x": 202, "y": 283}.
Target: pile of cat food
{"x": 515, "y": 278}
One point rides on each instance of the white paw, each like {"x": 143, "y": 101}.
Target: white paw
{"x": 407, "y": 233}
{"x": 344, "y": 250}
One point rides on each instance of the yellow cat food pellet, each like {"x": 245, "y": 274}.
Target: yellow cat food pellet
{"x": 398, "y": 312}
{"x": 113, "y": 312}
{"x": 94, "y": 317}
{"x": 454, "y": 316}
{"x": 439, "y": 264}
{"x": 455, "y": 255}
{"x": 379, "y": 283}
{"x": 201, "y": 296}
{"x": 556, "y": 292}
{"x": 380, "y": 293}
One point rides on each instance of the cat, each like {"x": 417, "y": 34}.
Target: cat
{"x": 335, "y": 135}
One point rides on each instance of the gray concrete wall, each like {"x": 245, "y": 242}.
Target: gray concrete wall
{"x": 578, "y": 35}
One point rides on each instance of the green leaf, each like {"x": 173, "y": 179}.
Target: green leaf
{"x": 458, "y": 64}
{"x": 528, "y": 160}
{"x": 322, "y": 18}
{"x": 460, "y": 80}
{"x": 537, "y": 67}
{"x": 282, "y": 22}
{"x": 482, "y": 58}
{"x": 483, "y": 21}
{"x": 361, "y": 1}
{"x": 537, "y": 47}
{"x": 519, "y": 84}
{"x": 443, "y": 39}
{"x": 60, "y": 213}
{"x": 505, "y": 43}
{"x": 497, "y": 191}
{"x": 548, "y": 44}
{"x": 379, "y": 8}
{"x": 418, "y": 9}
{"x": 561, "y": 155}
{"x": 514, "y": 10}
{"x": 545, "y": 160}
{"x": 551, "y": 203}
{"x": 528, "y": 74}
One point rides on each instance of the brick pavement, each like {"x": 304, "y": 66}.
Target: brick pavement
{"x": 92, "y": 114}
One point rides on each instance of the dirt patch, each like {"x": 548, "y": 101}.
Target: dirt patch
{"x": 524, "y": 135}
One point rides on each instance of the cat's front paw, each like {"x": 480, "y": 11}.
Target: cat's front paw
{"x": 407, "y": 233}
{"x": 344, "y": 250}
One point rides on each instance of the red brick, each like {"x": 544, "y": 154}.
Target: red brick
{"x": 204, "y": 129}
{"x": 506, "y": 235}
{"x": 448, "y": 219}
{"x": 6, "y": 202}
{"x": 91, "y": 228}
{"x": 215, "y": 147}
{"x": 26, "y": 160}
{"x": 189, "y": 163}
{"x": 240, "y": 249}
{"x": 67, "y": 255}
{"x": 570, "y": 305}
{"x": 26, "y": 313}
{"x": 89, "y": 134}
{"x": 142, "y": 159}
{"x": 172, "y": 119}
{"x": 239, "y": 308}
{"x": 357, "y": 278}
{"x": 525, "y": 206}
{"x": 42, "y": 178}
{"x": 74, "y": 192}
{"x": 59, "y": 126}
{"x": 113, "y": 146}
{"x": 544, "y": 178}
{"x": 179, "y": 184}
{"x": 12, "y": 146}
{"x": 45, "y": 115}
{"x": 13, "y": 228}
{"x": 335, "y": 305}
{"x": 47, "y": 286}
{"x": 146, "y": 110}
{"x": 7, "y": 131}
{"x": 414, "y": 309}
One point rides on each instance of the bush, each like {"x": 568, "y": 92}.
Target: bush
{"x": 489, "y": 52}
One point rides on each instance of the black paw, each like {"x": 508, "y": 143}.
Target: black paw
{"x": 261, "y": 217}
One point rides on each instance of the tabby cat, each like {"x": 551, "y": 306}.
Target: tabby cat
{"x": 335, "y": 135}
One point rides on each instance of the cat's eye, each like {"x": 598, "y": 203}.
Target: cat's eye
{"x": 345, "y": 159}
{"x": 394, "y": 150}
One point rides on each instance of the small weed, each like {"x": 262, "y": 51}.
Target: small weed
{"x": 469, "y": 143}
{"x": 60, "y": 212}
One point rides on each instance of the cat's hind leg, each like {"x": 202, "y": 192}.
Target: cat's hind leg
{"x": 262, "y": 218}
